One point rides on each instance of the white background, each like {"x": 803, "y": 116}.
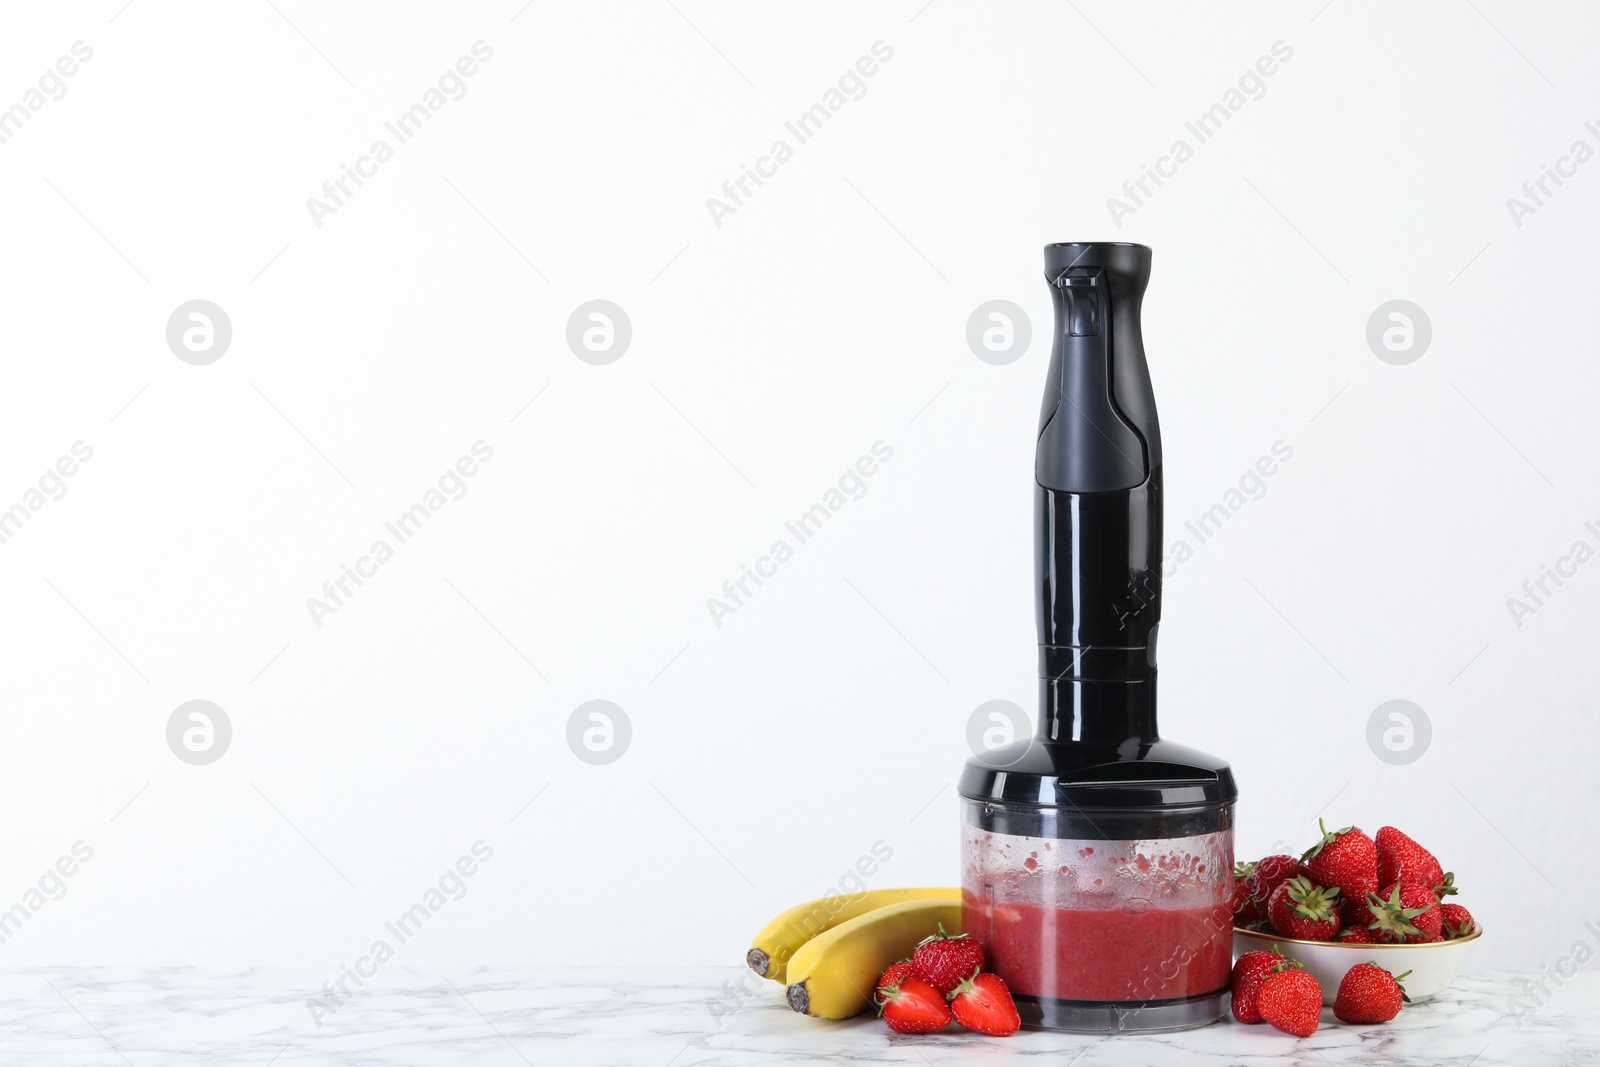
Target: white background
{"x": 828, "y": 313}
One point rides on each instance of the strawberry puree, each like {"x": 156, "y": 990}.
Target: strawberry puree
{"x": 1127, "y": 953}
{"x": 1102, "y": 921}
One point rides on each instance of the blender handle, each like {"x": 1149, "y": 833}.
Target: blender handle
{"x": 1097, "y": 529}
{"x": 1087, "y": 443}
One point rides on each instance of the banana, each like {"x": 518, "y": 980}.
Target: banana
{"x": 770, "y": 952}
{"x": 832, "y": 976}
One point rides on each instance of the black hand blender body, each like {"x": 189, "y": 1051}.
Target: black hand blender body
{"x": 1097, "y": 857}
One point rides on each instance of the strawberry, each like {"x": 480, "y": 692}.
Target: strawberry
{"x": 893, "y": 974}
{"x": 1272, "y": 872}
{"x": 1456, "y": 921}
{"x": 1346, "y": 860}
{"x": 982, "y": 1002}
{"x": 1369, "y": 994}
{"x": 912, "y": 1006}
{"x": 1302, "y": 910}
{"x": 1353, "y": 911}
{"x": 943, "y": 961}
{"x": 1404, "y": 913}
{"x": 1291, "y": 1000}
{"x": 1249, "y": 971}
{"x": 1401, "y": 859}
{"x": 1356, "y": 935}
{"x": 1245, "y": 909}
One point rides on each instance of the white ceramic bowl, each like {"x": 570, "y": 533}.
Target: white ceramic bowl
{"x": 1433, "y": 965}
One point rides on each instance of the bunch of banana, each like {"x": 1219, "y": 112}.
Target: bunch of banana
{"x": 829, "y": 952}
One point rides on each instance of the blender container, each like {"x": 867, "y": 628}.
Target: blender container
{"x": 1097, "y": 858}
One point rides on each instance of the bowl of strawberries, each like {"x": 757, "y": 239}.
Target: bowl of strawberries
{"x": 1352, "y": 899}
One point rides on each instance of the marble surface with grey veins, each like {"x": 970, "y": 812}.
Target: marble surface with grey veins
{"x": 679, "y": 1017}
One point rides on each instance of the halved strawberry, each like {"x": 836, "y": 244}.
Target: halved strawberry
{"x": 982, "y": 1002}
{"x": 912, "y": 1006}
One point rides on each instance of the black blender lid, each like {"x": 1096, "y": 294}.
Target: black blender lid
{"x": 1095, "y": 776}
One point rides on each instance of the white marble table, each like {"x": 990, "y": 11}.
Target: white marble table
{"x": 683, "y": 1017}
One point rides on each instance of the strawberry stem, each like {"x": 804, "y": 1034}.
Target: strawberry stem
{"x": 966, "y": 985}
{"x": 941, "y": 936}
{"x": 1328, "y": 837}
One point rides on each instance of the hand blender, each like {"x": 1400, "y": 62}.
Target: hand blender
{"x": 1097, "y": 857}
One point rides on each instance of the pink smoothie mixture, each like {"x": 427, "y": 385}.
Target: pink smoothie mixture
{"x": 1128, "y": 921}
{"x": 1104, "y": 954}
